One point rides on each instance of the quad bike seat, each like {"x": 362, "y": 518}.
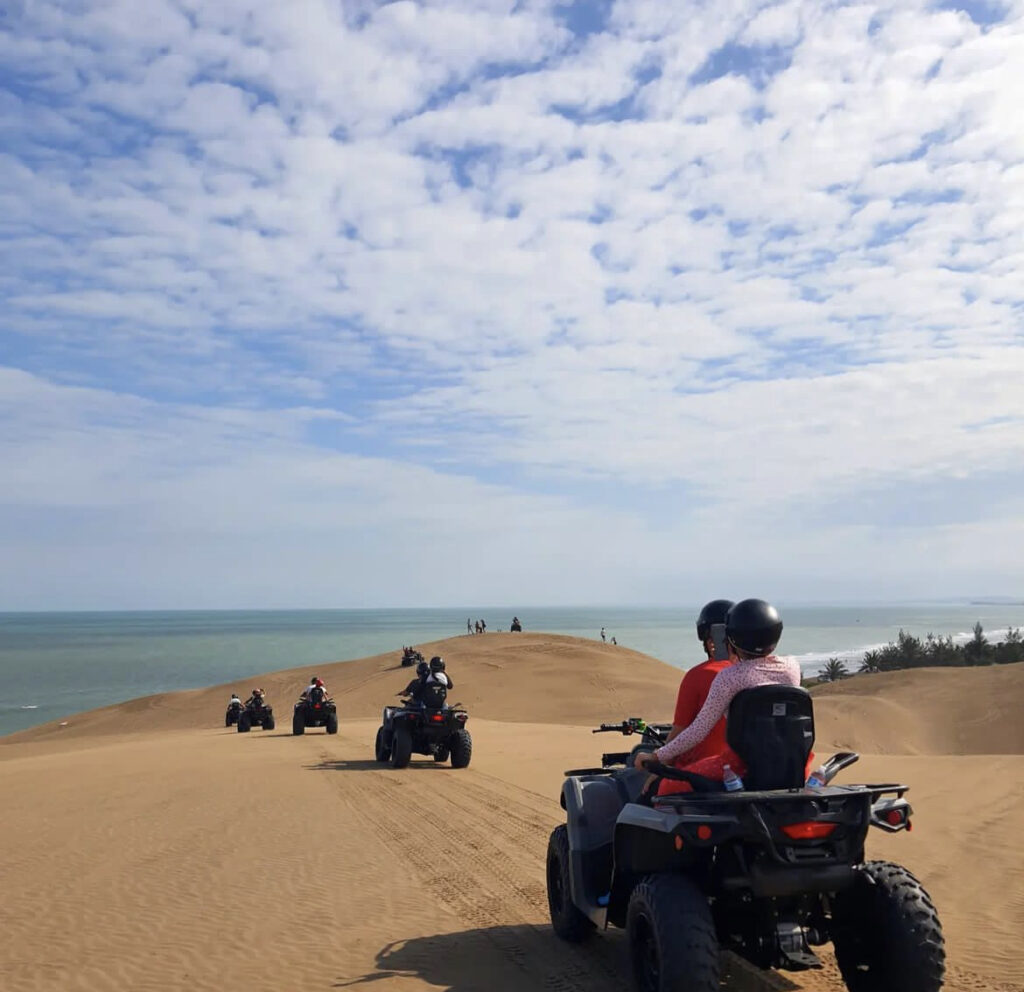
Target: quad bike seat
{"x": 772, "y": 729}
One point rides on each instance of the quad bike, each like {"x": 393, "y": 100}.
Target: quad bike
{"x": 315, "y": 710}
{"x": 231, "y": 715}
{"x": 410, "y": 657}
{"x": 411, "y": 729}
{"x": 516, "y": 627}
{"x": 255, "y": 714}
{"x": 767, "y": 872}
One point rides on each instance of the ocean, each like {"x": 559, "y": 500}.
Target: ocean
{"x": 56, "y": 664}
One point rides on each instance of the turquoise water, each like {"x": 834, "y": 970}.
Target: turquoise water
{"x": 54, "y": 664}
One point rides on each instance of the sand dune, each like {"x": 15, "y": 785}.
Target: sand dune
{"x": 925, "y": 711}
{"x": 146, "y": 847}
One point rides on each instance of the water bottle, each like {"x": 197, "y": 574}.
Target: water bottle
{"x": 731, "y": 781}
{"x": 817, "y": 779}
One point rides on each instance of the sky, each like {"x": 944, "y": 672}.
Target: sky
{"x": 391, "y": 304}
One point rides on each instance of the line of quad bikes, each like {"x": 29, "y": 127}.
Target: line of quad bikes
{"x": 437, "y": 732}
{"x": 769, "y": 872}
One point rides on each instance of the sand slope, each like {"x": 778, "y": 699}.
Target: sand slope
{"x": 925, "y": 711}
{"x": 146, "y": 850}
{"x": 518, "y": 677}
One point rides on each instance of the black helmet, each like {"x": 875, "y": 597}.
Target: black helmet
{"x": 753, "y": 626}
{"x": 422, "y": 668}
{"x": 713, "y": 612}
{"x": 437, "y": 664}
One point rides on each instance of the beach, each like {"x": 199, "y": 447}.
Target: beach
{"x": 146, "y": 846}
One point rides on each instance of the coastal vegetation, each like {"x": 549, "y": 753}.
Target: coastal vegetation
{"x": 908, "y": 651}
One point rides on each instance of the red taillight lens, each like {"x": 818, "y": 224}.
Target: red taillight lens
{"x": 808, "y": 831}
{"x": 704, "y": 832}
{"x": 437, "y": 718}
{"x": 316, "y": 706}
{"x": 894, "y": 817}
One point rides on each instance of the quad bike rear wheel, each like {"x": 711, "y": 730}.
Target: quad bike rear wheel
{"x": 381, "y": 751}
{"x": 268, "y": 723}
{"x": 672, "y": 941}
{"x": 401, "y": 747}
{"x": 298, "y": 724}
{"x": 331, "y": 723}
{"x": 887, "y": 934}
{"x": 461, "y": 746}
{"x": 244, "y": 723}
{"x": 568, "y": 922}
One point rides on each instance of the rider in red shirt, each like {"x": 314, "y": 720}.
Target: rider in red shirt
{"x": 696, "y": 684}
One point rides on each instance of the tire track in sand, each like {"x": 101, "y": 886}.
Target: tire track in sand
{"x": 480, "y": 850}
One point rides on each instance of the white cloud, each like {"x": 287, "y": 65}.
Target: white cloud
{"x": 485, "y": 245}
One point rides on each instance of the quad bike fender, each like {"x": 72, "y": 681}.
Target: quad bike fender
{"x": 592, "y": 804}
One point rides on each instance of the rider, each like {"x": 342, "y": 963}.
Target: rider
{"x": 437, "y": 683}
{"x": 696, "y": 684}
{"x": 415, "y": 688}
{"x": 256, "y": 699}
{"x": 234, "y": 699}
{"x": 315, "y": 682}
{"x": 752, "y": 629}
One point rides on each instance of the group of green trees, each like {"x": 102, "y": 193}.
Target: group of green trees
{"x": 908, "y": 651}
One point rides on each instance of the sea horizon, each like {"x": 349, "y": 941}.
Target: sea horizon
{"x": 91, "y": 658}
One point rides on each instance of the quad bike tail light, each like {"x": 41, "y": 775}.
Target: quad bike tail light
{"x": 809, "y": 830}
{"x": 897, "y": 817}
{"x": 438, "y": 718}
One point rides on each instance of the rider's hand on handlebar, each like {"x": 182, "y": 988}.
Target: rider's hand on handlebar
{"x": 644, "y": 758}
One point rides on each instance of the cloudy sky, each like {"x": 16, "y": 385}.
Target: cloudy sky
{"x": 341, "y": 303}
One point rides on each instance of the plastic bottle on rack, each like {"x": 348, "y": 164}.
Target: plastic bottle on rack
{"x": 731, "y": 781}
{"x": 817, "y": 779}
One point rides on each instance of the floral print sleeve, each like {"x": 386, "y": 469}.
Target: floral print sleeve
{"x": 727, "y": 684}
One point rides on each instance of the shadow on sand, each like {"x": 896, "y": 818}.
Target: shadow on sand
{"x": 368, "y": 764}
{"x": 528, "y": 959}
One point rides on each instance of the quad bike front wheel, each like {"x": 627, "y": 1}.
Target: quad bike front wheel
{"x": 566, "y": 919}
{"x": 460, "y": 744}
{"x": 887, "y": 934}
{"x": 672, "y": 941}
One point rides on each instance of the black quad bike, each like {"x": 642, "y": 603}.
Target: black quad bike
{"x": 232, "y": 712}
{"x": 768, "y": 872}
{"x": 315, "y": 710}
{"x": 410, "y": 657}
{"x": 255, "y": 714}
{"x": 408, "y": 730}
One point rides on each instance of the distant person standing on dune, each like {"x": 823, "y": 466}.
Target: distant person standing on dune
{"x": 469, "y": 626}
{"x": 602, "y": 634}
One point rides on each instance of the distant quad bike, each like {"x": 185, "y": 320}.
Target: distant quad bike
{"x": 231, "y": 715}
{"x": 768, "y": 873}
{"x": 255, "y": 714}
{"x": 516, "y": 627}
{"x": 410, "y": 656}
{"x": 408, "y": 730}
{"x": 315, "y": 710}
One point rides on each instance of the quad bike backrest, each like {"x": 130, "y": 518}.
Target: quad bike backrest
{"x": 772, "y": 729}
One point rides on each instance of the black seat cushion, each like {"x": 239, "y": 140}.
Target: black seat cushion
{"x": 772, "y": 729}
